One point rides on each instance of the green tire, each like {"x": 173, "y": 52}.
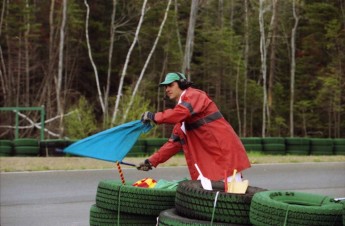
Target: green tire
{"x": 171, "y": 218}
{"x": 251, "y": 140}
{"x": 339, "y": 149}
{"x": 25, "y": 142}
{"x": 112, "y": 195}
{"x": 27, "y": 151}
{"x": 273, "y": 140}
{"x": 6, "y": 150}
{"x": 274, "y": 149}
{"x": 193, "y": 201}
{"x": 294, "y": 208}
{"x": 103, "y": 217}
{"x": 297, "y": 141}
{"x": 339, "y": 141}
{"x": 253, "y": 147}
{"x": 6, "y": 143}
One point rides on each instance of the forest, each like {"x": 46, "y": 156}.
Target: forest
{"x": 275, "y": 68}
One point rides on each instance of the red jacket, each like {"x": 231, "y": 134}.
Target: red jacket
{"x": 209, "y": 141}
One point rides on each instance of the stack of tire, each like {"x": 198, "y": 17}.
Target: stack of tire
{"x": 339, "y": 146}
{"x": 321, "y": 146}
{"x": 252, "y": 143}
{"x": 139, "y": 149}
{"x": 6, "y": 148}
{"x": 271, "y": 208}
{"x": 54, "y": 147}
{"x": 196, "y": 206}
{"x": 297, "y": 146}
{"x": 118, "y": 204}
{"x": 153, "y": 144}
{"x": 26, "y": 147}
{"x": 273, "y": 145}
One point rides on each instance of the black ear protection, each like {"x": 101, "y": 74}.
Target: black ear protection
{"x": 183, "y": 83}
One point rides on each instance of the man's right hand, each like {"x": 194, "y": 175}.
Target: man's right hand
{"x": 145, "y": 166}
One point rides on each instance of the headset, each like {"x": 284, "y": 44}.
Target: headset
{"x": 183, "y": 83}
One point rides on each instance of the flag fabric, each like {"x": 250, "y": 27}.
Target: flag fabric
{"x": 110, "y": 145}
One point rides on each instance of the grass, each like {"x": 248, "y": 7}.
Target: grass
{"x": 17, "y": 164}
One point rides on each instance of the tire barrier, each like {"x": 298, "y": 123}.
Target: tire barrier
{"x": 26, "y": 147}
{"x": 103, "y": 217}
{"x": 297, "y": 146}
{"x": 252, "y": 143}
{"x": 6, "y": 148}
{"x": 339, "y": 146}
{"x": 171, "y": 218}
{"x": 319, "y": 146}
{"x": 294, "y": 208}
{"x": 273, "y": 145}
{"x": 113, "y": 195}
{"x": 194, "y": 202}
{"x": 145, "y": 147}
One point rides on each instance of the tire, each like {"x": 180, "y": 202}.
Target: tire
{"x": 193, "y": 201}
{"x": 171, "y": 218}
{"x": 112, "y": 195}
{"x": 25, "y": 142}
{"x": 339, "y": 141}
{"x": 253, "y": 147}
{"x": 295, "y": 149}
{"x": 273, "y": 140}
{"x": 102, "y": 217}
{"x": 6, "y": 143}
{"x": 6, "y": 150}
{"x": 251, "y": 140}
{"x": 297, "y": 141}
{"x": 339, "y": 149}
{"x": 294, "y": 208}
{"x": 27, "y": 151}
{"x": 274, "y": 149}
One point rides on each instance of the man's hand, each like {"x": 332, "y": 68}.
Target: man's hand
{"x": 145, "y": 166}
{"x": 147, "y": 117}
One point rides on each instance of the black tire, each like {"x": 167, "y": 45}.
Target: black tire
{"x": 294, "y": 208}
{"x": 171, "y": 218}
{"x": 25, "y": 142}
{"x": 102, "y": 217}
{"x": 112, "y": 195}
{"x": 193, "y": 201}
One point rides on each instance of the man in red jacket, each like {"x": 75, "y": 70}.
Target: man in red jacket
{"x": 200, "y": 130}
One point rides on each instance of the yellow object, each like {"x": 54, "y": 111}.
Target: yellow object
{"x": 145, "y": 183}
{"x": 236, "y": 186}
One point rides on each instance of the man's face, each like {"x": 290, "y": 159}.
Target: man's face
{"x": 173, "y": 91}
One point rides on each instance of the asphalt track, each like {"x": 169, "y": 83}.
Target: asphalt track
{"x": 63, "y": 198}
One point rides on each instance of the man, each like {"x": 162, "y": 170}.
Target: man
{"x": 200, "y": 130}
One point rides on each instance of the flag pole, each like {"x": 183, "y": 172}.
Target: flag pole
{"x": 121, "y": 173}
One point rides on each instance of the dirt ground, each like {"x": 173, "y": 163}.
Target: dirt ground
{"x": 15, "y": 164}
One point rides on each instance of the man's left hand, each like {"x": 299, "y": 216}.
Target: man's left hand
{"x": 147, "y": 117}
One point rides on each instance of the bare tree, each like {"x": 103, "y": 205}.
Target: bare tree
{"x": 90, "y": 56}
{"x": 190, "y": 38}
{"x": 245, "y": 74}
{"x": 293, "y": 67}
{"x": 124, "y": 70}
{"x": 147, "y": 62}
{"x": 273, "y": 38}
{"x": 263, "y": 64}
{"x": 58, "y": 78}
{"x": 110, "y": 56}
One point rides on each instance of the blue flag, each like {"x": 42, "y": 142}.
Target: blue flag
{"x": 110, "y": 145}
